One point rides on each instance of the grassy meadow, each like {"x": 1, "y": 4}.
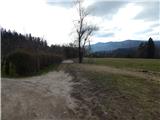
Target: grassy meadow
{"x": 132, "y": 63}
{"x": 122, "y": 97}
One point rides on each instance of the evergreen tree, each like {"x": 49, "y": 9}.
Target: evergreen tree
{"x": 150, "y": 48}
{"x": 147, "y": 49}
{"x": 142, "y": 50}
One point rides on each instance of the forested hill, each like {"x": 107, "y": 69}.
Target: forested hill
{"x": 12, "y": 41}
{"x": 24, "y": 55}
{"x": 111, "y": 46}
{"x": 131, "y": 49}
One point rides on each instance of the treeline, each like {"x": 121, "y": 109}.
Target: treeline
{"x": 12, "y": 41}
{"x": 145, "y": 50}
{"x": 26, "y": 55}
{"x": 148, "y": 50}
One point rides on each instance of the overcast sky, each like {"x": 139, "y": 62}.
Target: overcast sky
{"x": 53, "y": 19}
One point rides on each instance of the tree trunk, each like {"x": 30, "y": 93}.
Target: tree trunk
{"x": 80, "y": 53}
{"x": 81, "y": 57}
{"x": 7, "y": 67}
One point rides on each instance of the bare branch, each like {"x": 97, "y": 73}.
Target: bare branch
{"x": 83, "y": 29}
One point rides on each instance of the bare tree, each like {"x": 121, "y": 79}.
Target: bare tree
{"x": 84, "y": 30}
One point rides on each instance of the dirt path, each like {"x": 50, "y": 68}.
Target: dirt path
{"x": 67, "y": 62}
{"x": 144, "y": 75}
{"x": 58, "y": 95}
{"x": 44, "y": 97}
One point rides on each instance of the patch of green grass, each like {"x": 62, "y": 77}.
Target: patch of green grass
{"x": 127, "y": 98}
{"x": 132, "y": 63}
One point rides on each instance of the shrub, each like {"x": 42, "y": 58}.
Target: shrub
{"x": 24, "y": 63}
{"x": 46, "y": 59}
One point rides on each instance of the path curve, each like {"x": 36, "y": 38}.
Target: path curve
{"x": 67, "y": 62}
{"x": 44, "y": 97}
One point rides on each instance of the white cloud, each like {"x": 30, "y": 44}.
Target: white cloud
{"x": 55, "y": 23}
{"x": 38, "y": 18}
{"x": 125, "y": 27}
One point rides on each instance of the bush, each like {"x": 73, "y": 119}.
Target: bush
{"x": 46, "y": 59}
{"x": 24, "y": 63}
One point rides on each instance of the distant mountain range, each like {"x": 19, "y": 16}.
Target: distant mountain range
{"x": 111, "y": 46}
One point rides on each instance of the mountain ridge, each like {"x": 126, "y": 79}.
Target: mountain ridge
{"x": 110, "y": 46}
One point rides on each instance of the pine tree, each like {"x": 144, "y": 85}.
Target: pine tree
{"x": 150, "y": 48}
{"x": 142, "y": 50}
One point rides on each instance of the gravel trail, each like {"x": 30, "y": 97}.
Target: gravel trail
{"x": 45, "y": 97}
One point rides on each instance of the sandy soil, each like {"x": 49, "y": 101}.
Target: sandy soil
{"x": 44, "y": 97}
